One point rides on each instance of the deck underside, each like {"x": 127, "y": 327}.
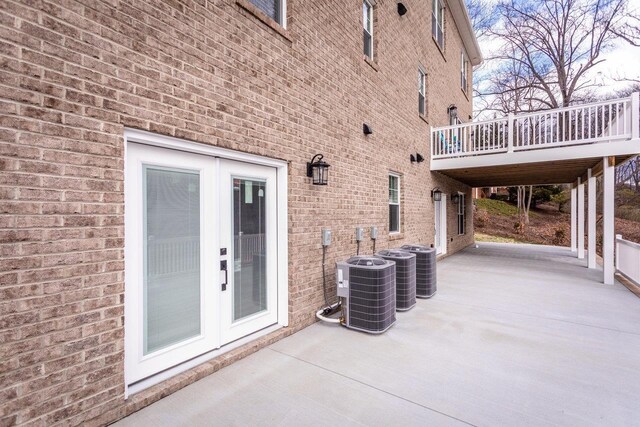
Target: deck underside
{"x": 539, "y": 173}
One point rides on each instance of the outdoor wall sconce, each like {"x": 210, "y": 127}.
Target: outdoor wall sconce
{"x": 368, "y": 130}
{"x": 455, "y": 199}
{"x": 402, "y": 9}
{"x": 436, "y": 195}
{"x": 318, "y": 170}
{"x": 417, "y": 158}
{"x": 453, "y": 113}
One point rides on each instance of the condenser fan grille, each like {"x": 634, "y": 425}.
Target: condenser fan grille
{"x": 366, "y": 261}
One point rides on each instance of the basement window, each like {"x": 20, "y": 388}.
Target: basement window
{"x": 462, "y": 214}
{"x": 394, "y": 203}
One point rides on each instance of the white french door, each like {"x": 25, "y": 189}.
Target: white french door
{"x": 440, "y": 214}
{"x": 247, "y": 236}
{"x": 201, "y": 257}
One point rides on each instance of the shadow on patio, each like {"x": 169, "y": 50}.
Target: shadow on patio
{"x": 516, "y": 335}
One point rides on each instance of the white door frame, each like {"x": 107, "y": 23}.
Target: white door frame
{"x": 147, "y": 138}
{"x": 441, "y": 228}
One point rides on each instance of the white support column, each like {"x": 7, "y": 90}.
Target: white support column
{"x": 591, "y": 219}
{"x": 580, "y": 218}
{"x": 635, "y": 115}
{"x": 608, "y": 224}
{"x": 574, "y": 222}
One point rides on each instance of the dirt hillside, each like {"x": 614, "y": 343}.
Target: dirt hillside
{"x": 496, "y": 220}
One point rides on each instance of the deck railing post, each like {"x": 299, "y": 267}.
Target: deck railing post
{"x": 433, "y": 153}
{"x": 635, "y": 115}
{"x": 510, "y": 128}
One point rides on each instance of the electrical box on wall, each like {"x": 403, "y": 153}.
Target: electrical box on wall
{"x": 359, "y": 234}
{"x": 374, "y": 233}
{"x": 326, "y": 237}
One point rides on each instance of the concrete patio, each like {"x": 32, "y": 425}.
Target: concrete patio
{"x": 516, "y": 335}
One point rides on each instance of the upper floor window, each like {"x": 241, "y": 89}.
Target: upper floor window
{"x": 464, "y": 73}
{"x": 422, "y": 84}
{"x": 274, "y": 9}
{"x": 394, "y": 203}
{"x": 437, "y": 22}
{"x": 367, "y": 24}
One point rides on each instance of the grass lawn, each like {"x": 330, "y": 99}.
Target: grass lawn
{"x": 498, "y": 207}
{"x": 481, "y": 237}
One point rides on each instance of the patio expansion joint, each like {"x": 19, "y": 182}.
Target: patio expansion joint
{"x": 541, "y": 317}
{"x": 371, "y": 386}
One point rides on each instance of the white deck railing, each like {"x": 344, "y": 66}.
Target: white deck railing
{"x": 581, "y": 124}
{"x": 628, "y": 259}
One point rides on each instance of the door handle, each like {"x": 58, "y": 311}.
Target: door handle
{"x": 223, "y": 267}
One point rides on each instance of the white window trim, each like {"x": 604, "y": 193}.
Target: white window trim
{"x": 439, "y": 6}
{"x": 148, "y": 138}
{"x": 464, "y": 73}
{"x": 283, "y": 14}
{"x": 394, "y": 174}
{"x": 423, "y": 74}
{"x": 371, "y": 5}
{"x": 462, "y": 212}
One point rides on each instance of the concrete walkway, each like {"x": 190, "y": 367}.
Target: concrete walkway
{"x": 517, "y": 335}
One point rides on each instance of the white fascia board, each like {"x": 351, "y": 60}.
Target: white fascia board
{"x": 572, "y": 152}
{"x": 465, "y": 28}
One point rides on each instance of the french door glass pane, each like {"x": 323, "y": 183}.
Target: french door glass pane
{"x": 249, "y": 257}
{"x": 172, "y": 256}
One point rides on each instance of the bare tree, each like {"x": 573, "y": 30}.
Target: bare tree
{"x": 482, "y": 15}
{"x": 555, "y": 43}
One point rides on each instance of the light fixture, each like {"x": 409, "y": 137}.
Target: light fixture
{"x": 318, "y": 170}
{"x": 436, "y": 195}
{"x": 402, "y": 9}
{"x": 455, "y": 199}
{"x": 368, "y": 130}
{"x": 416, "y": 158}
{"x": 453, "y": 113}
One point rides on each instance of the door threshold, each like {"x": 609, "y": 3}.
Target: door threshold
{"x": 143, "y": 384}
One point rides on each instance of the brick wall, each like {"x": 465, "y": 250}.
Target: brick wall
{"x": 74, "y": 74}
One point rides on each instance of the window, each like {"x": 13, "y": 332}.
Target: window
{"x": 437, "y": 22}
{"x": 274, "y": 9}
{"x": 367, "y": 24}
{"x": 464, "y": 69}
{"x": 422, "y": 83}
{"x": 394, "y": 203}
{"x": 462, "y": 217}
